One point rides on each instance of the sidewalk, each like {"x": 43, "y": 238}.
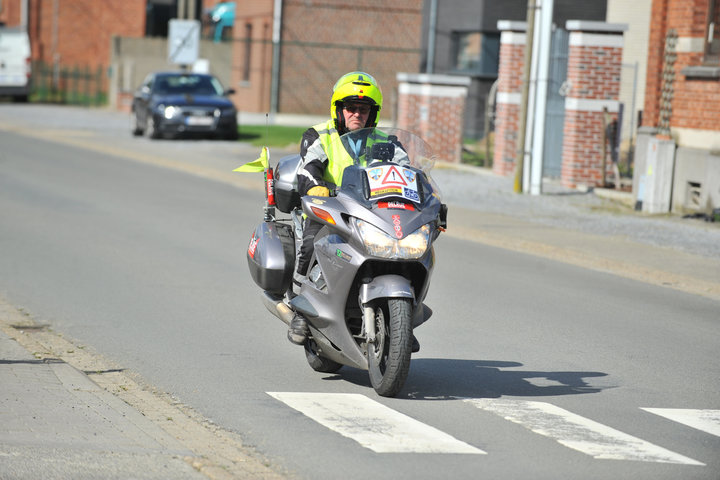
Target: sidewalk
{"x": 65, "y": 414}
{"x": 57, "y": 423}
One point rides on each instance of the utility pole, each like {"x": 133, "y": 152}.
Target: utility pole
{"x": 520, "y": 158}
{"x": 532, "y": 180}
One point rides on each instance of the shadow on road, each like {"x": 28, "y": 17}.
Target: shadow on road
{"x": 444, "y": 379}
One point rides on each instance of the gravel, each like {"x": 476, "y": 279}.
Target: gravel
{"x": 588, "y": 212}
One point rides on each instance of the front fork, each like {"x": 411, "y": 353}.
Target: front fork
{"x": 384, "y": 286}
{"x": 369, "y": 324}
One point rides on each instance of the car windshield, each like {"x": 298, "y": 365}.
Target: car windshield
{"x": 188, "y": 85}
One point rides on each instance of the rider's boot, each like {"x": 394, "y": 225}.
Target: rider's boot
{"x": 298, "y": 331}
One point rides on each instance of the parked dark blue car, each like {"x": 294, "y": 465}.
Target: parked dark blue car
{"x": 178, "y": 103}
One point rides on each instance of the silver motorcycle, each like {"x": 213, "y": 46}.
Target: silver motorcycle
{"x": 373, "y": 258}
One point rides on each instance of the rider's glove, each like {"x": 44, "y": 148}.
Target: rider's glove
{"x": 319, "y": 191}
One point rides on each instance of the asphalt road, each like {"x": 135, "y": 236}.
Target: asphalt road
{"x": 530, "y": 367}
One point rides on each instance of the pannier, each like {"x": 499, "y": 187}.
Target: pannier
{"x": 271, "y": 257}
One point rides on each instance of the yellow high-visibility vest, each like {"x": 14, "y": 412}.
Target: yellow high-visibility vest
{"x": 338, "y": 156}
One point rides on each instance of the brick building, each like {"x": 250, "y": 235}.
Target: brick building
{"x": 11, "y": 14}
{"x": 375, "y": 36}
{"x": 682, "y": 101}
{"x": 510, "y": 81}
{"x": 75, "y": 33}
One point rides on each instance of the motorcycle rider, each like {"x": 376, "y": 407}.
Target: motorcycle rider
{"x": 355, "y": 103}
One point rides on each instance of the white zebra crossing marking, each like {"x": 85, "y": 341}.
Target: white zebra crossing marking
{"x": 579, "y": 433}
{"x": 372, "y": 424}
{"x": 706, "y": 420}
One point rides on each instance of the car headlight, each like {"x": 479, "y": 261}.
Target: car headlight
{"x": 380, "y": 244}
{"x": 172, "y": 112}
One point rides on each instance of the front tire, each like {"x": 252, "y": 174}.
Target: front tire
{"x": 389, "y": 356}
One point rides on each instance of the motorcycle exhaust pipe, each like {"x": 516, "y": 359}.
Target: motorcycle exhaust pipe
{"x": 277, "y": 307}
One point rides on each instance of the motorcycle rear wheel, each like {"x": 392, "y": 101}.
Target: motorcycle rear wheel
{"x": 318, "y": 363}
{"x": 389, "y": 356}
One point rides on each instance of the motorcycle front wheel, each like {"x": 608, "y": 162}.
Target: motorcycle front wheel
{"x": 389, "y": 355}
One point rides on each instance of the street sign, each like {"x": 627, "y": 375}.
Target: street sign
{"x": 183, "y": 41}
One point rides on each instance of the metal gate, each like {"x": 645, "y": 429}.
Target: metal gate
{"x": 555, "y": 114}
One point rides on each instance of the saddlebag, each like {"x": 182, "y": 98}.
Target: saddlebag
{"x": 287, "y": 197}
{"x": 271, "y": 257}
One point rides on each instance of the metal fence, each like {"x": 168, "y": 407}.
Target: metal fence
{"x": 69, "y": 85}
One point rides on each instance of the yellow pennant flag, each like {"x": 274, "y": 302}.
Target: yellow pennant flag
{"x": 258, "y": 165}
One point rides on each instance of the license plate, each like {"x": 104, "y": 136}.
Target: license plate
{"x": 199, "y": 121}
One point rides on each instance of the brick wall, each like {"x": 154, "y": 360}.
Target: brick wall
{"x": 510, "y": 81}
{"x": 594, "y": 64}
{"x": 252, "y": 62}
{"x": 379, "y": 42}
{"x": 379, "y": 37}
{"x": 696, "y": 100}
{"x": 84, "y": 29}
{"x": 10, "y": 13}
{"x": 433, "y": 106}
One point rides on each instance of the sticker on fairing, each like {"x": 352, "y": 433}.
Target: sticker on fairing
{"x": 398, "y": 205}
{"x": 345, "y": 256}
{"x": 253, "y": 245}
{"x": 397, "y": 225}
{"x": 392, "y": 181}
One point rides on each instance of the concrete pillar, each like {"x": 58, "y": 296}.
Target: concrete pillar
{"x": 433, "y": 107}
{"x": 594, "y": 66}
{"x": 509, "y": 93}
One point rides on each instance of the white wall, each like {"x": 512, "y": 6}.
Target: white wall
{"x": 636, "y": 14}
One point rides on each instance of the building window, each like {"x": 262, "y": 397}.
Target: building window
{"x": 476, "y": 52}
{"x": 712, "y": 47}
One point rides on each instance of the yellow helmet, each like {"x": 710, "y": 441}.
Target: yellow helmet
{"x": 358, "y": 87}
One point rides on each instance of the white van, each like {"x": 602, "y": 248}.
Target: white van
{"x": 15, "y": 66}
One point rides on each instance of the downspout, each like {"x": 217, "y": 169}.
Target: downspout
{"x": 275, "y": 75}
{"x": 24, "y": 15}
{"x": 430, "y": 63}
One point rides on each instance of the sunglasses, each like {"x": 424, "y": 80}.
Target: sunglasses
{"x": 363, "y": 109}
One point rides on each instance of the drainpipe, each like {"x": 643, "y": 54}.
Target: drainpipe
{"x": 430, "y": 62}
{"x": 24, "y": 14}
{"x": 275, "y": 78}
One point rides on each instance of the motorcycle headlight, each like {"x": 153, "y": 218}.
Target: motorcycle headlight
{"x": 415, "y": 244}
{"x": 380, "y": 244}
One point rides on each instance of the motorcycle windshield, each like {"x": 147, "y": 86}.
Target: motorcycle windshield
{"x": 388, "y": 164}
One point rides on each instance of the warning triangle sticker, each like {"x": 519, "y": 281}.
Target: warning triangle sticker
{"x": 394, "y": 177}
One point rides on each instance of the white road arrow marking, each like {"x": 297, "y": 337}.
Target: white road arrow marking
{"x": 372, "y": 424}
{"x": 579, "y": 433}
{"x": 706, "y": 420}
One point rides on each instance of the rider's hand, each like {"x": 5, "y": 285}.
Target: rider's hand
{"x": 319, "y": 191}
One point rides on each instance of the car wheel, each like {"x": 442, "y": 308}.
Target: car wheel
{"x": 135, "y": 127}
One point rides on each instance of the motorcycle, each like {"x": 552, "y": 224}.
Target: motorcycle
{"x": 373, "y": 258}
